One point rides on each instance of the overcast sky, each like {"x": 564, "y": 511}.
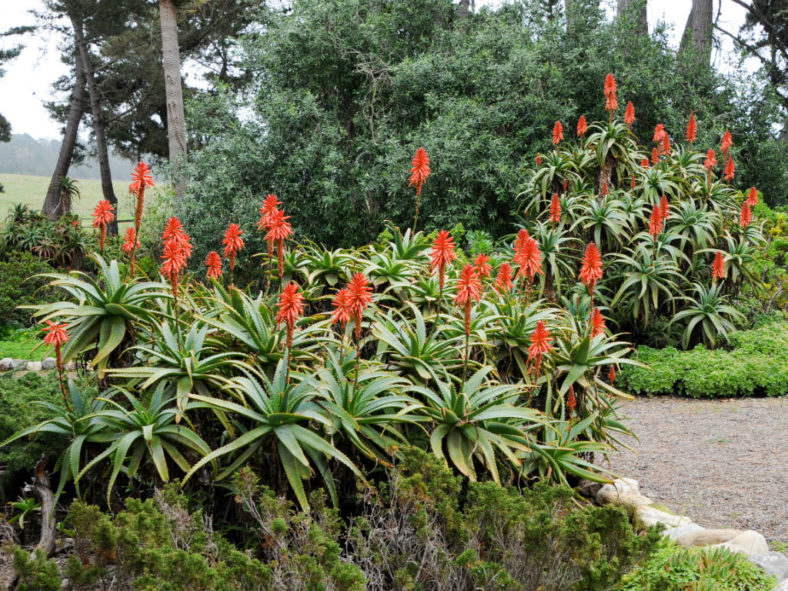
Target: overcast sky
{"x": 27, "y": 83}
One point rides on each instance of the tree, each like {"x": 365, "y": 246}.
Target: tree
{"x": 176, "y": 121}
{"x": 697, "y": 32}
{"x": 636, "y": 11}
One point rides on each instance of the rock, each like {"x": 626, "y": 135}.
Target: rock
{"x": 33, "y": 366}
{"x": 625, "y": 491}
{"x": 648, "y": 516}
{"x": 709, "y": 537}
{"x": 70, "y": 366}
{"x": 6, "y": 364}
{"x": 748, "y": 543}
{"x": 782, "y": 586}
{"x": 675, "y": 533}
{"x": 20, "y": 364}
{"x": 773, "y": 563}
{"x": 48, "y": 363}
{"x": 589, "y": 489}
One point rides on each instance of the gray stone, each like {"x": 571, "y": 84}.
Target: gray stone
{"x": 48, "y": 363}
{"x": 6, "y": 364}
{"x": 675, "y": 533}
{"x": 782, "y": 586}
{"x": 33, "y": 366}
{"x": 708, "y": 537}
{"x": 747, "y": 543}
{"x": 649, "y": 516}
{"x": 773, "y": 563}
{"x": 20, "y": 364}
{"x": 625, "y": 491}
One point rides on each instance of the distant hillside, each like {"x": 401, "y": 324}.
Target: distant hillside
{"x": 27, "y": 155}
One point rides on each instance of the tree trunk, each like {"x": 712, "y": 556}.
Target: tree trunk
{"x": 52, "y": 207}
{"x": 697, "y": 32}
{"x": 570, "y": 9}
{"x": 40, "y": 489}
{"x": 176, "y": 124}
{"x": 99, "y": 127}
{"x": 636, "y": 11}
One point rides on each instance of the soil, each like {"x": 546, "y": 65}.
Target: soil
{"x": 723, "y": 463}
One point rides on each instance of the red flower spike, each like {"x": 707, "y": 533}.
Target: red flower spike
{"x": 629, "y": 114}
{"x": 469, "y": 290}
{"x": 611, "y": 374}
{"x": 270, "y": 203}
{"x": 177, "y": 249}
{"x": 529, "y": 258}
{"x": 582, "y": 126}
{"x": 655, "y": 222}
{"x": 597, "y": 323}
{"x": 565, "y": 185}
{"x": 102, "y": 216}
{"x": 442, "y": 254}
{"x": 359, "y": 296}
{"x": 711, "y": 160}
{"x": 571, "y": 401}
{"x": 727, "y": 143}
{"x": 232, "y": 243}
{"x": 655, "y": 156}
{"x": 130, "y": 242}
{"x": 746, "y": 216}
{"x": 718, "y": 266}
{"x": 692, "y": 129}
{"x": 664, "y": 207}
{"x": 540, "y": 345}
{"x": 558, "y": 133}
{"x": 659, "y": 133}
{"x": 279, "y": 229}
{"x": 173, "y": 231}
{"x": 591, "y": 269}
{"x": 539, "y": 160}
{"x": 141, "y": 178}
{"x": 752, "y": 197}
{"x": 55, "y": 335}
{"x": 519, "y": 241}
{"x": 644, "y": 163}
{"x": 611, "y": 104}
{"x": 555, "y": 209}
{"x": 214, "y": 263}
{"x": 605, "y": 190}
{"x": 503, "y": 281}
{"x": 730, "y": 169}
{"x": 666, "y": 144}
{"x": 482, "y": 265}
{"x": 420, "y": 170}
{"x": 343, "y": 312}
{"x": 291, "y": 307}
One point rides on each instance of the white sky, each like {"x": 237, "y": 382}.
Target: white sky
{"x": 27, "y": 83}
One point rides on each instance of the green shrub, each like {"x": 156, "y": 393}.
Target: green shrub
{"x": 673, "y": 568}
{"x": 19, "y": 286}
{"x": 23, "y": 343}
{"x": 35, "y": 573}
{"x": 757, "y": 365}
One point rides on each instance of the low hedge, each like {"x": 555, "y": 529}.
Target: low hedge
{"x": 756, "y": 365}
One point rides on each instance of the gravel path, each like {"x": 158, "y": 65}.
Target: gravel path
{"x": 723, "y": 463}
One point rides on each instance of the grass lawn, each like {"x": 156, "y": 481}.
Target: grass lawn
{"x": 30, "y": 190}
{"x": 20, "y": 344}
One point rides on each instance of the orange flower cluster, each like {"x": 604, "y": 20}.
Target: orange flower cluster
{"x": 130, "y": 242}
{"x": 664, "y": 207}
{"x": 233, "y": 243}
{"x": 469, "y": 290}
{"x": 746, "y": 216}
{"x": 555, "y": 209}
{"x": 56, "y": 335}
{"x": 692, "y": 128}
{"x": 611, "y": 104}
{"x": 655, "y": 222}
{"x": 527, "y": 255}
{"x": 214, "y": 264}
{"x": 582, "y": 126}
{"x": 730, "y": 169}
{"x": 629, "y": 114}
{"x": 291, "y": 307}
{"x": 718, "y": 266}
{"x": 482, "y": 265}
{"x": 540, "y": 346}
{"x": 503, "y": 281}
{"x": 711, "y": 160}
{"x": 752, "y": 197}
{"x": 141, "y": 178}
{"x": 351, "y": 301}
{"x": 177, "y": 250}
{"x": 597, "y": 323}
{"x": 442, "y": 254}
{"x": 103, "y": 216}
{"x": 591, "y": 268}
{"x": 558, "y": 133}
{"x": 420, "y": 170}
{"x": 278, "y": 229}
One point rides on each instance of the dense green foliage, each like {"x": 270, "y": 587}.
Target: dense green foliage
{"x": 673, "y": 568}
{"x": 422, "y": 530}
{"x": 345, "y": 91}
{"x": 22, "y": 343}
{"x": 19, "y": 286}
{"x": 756, "y": 365}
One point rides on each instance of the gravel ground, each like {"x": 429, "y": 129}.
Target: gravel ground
{"x": 723, "y": 463}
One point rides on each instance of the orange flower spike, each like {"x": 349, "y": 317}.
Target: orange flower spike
{"x": 529, "y": 258}
{"x": 102, "y": 216}
{"x": 420, "y": 170}
{"x": 555, "y": 209}
{"x": 727, "y": 143}
{"x": 130, "y": 242}
{"x": 519, "y": 241}
{"x": 469, "y": 290}
{"x": 655, "y": 156}
{"x": 278, "y": 230}
{"x": 629, "y": 114}
{"x": 558, "y": 133}
{"x": 343, "y": 312}
{"x": 55, "y": 335}
{"x": 718, "y": 267}
{"x": 539, "y": 160}
{"x": 611, "y": 374}
{"x": 752, "y": 197}
{"x": 711, "y": 160}
{"x": 597, "y": 323}
{"x": 582, "y": 126}
{"x": 644, "y": 163}
{"x": 571, "y": 401}
{"x": 692, "y": 128}
{"x": 659, "y": 133}
{"x": 270, "y": 203}
{"x": 730, "y": 169}
{"x": 655, "y": 222}
{"x": 611, "y": 104}
{"x": 442, "y": 254}
{"x": 605, "y": 190}
{"x": 664, "y": 207}
{"x": 233, "y": 243}
{"x": 591, "y": 268}
{"x": 482, "y": 265}
{"x": 291, "y": 307}
{"x": 540, "y": 345}
{"x": 503, "y": 281}
{"x": 214, "y": 263}
{"x": 746, "y": 216}
{"x": 666, "y": 144}
{"x": 359, "y": 296}
{"x": 141, "y": 178}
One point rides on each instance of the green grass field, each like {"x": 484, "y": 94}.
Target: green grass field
{"x": 30, "y": 190}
